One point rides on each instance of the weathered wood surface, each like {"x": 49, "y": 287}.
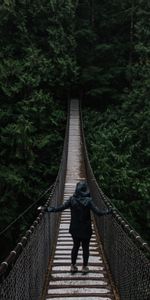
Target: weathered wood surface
{"x": 63, "y": 285}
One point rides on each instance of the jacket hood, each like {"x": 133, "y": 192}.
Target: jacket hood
{"x": 82, "y": 190}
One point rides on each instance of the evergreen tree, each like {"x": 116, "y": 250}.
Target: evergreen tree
{"x": 103, "y": 36}
{"x": 37, "y": 68}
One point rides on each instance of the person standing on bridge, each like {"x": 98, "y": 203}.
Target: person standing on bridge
{"x": 80, "y": 225}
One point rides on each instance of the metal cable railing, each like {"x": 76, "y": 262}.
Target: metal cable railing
{"x": 126, "y": 252}
{"x": 22, "y": 274}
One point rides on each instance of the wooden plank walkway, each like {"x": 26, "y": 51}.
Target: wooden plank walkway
{"x": 63, "y": 285}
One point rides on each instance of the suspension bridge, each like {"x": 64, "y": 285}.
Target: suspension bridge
{"x": 39, "y": 266}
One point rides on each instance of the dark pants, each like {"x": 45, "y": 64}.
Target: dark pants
{"x": 76, "y": 246}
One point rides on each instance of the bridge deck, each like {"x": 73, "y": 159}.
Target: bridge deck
{"x": 95, "y": 285}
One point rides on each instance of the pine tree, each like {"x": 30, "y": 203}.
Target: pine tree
{"x": 37, "y": 68}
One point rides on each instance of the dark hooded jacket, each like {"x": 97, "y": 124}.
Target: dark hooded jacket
{"x": 80, "y": 204}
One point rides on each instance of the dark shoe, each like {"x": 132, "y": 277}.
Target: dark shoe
{"x": 85, "y": 270}
{"x": 73, "y": 269}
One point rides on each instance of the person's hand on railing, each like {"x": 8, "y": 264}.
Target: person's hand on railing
{"x": 46, "y": 209}
{"x": 109, "y": 211}
{"x": 50, "y": 209}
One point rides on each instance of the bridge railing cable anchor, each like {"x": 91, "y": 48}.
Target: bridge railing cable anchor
{"x": 24, "y": 240}
{"x": 4, "y": 263}
{"x": 20, "y": 244}
{"x": 35, "y": 223}
{"x": 3, "y": 267}
{"x": 13, "y": 252}
{"x": 38, "y": 219}
{"x": 144, "y": 244}
{"x": 123, "y": 222}
{"x": 29, "y": 231}
{"x": 32, "y": 228}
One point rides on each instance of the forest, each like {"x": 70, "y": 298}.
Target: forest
{"x": 55, "y": 49}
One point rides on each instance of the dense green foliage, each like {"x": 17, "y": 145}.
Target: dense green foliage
{"x": 104, "y": 48}
{"x": 98, "y": 49}
{"x": 37, "y": 69}
{"x": 118, "y": 129}
{"x": 119, "y": 155}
